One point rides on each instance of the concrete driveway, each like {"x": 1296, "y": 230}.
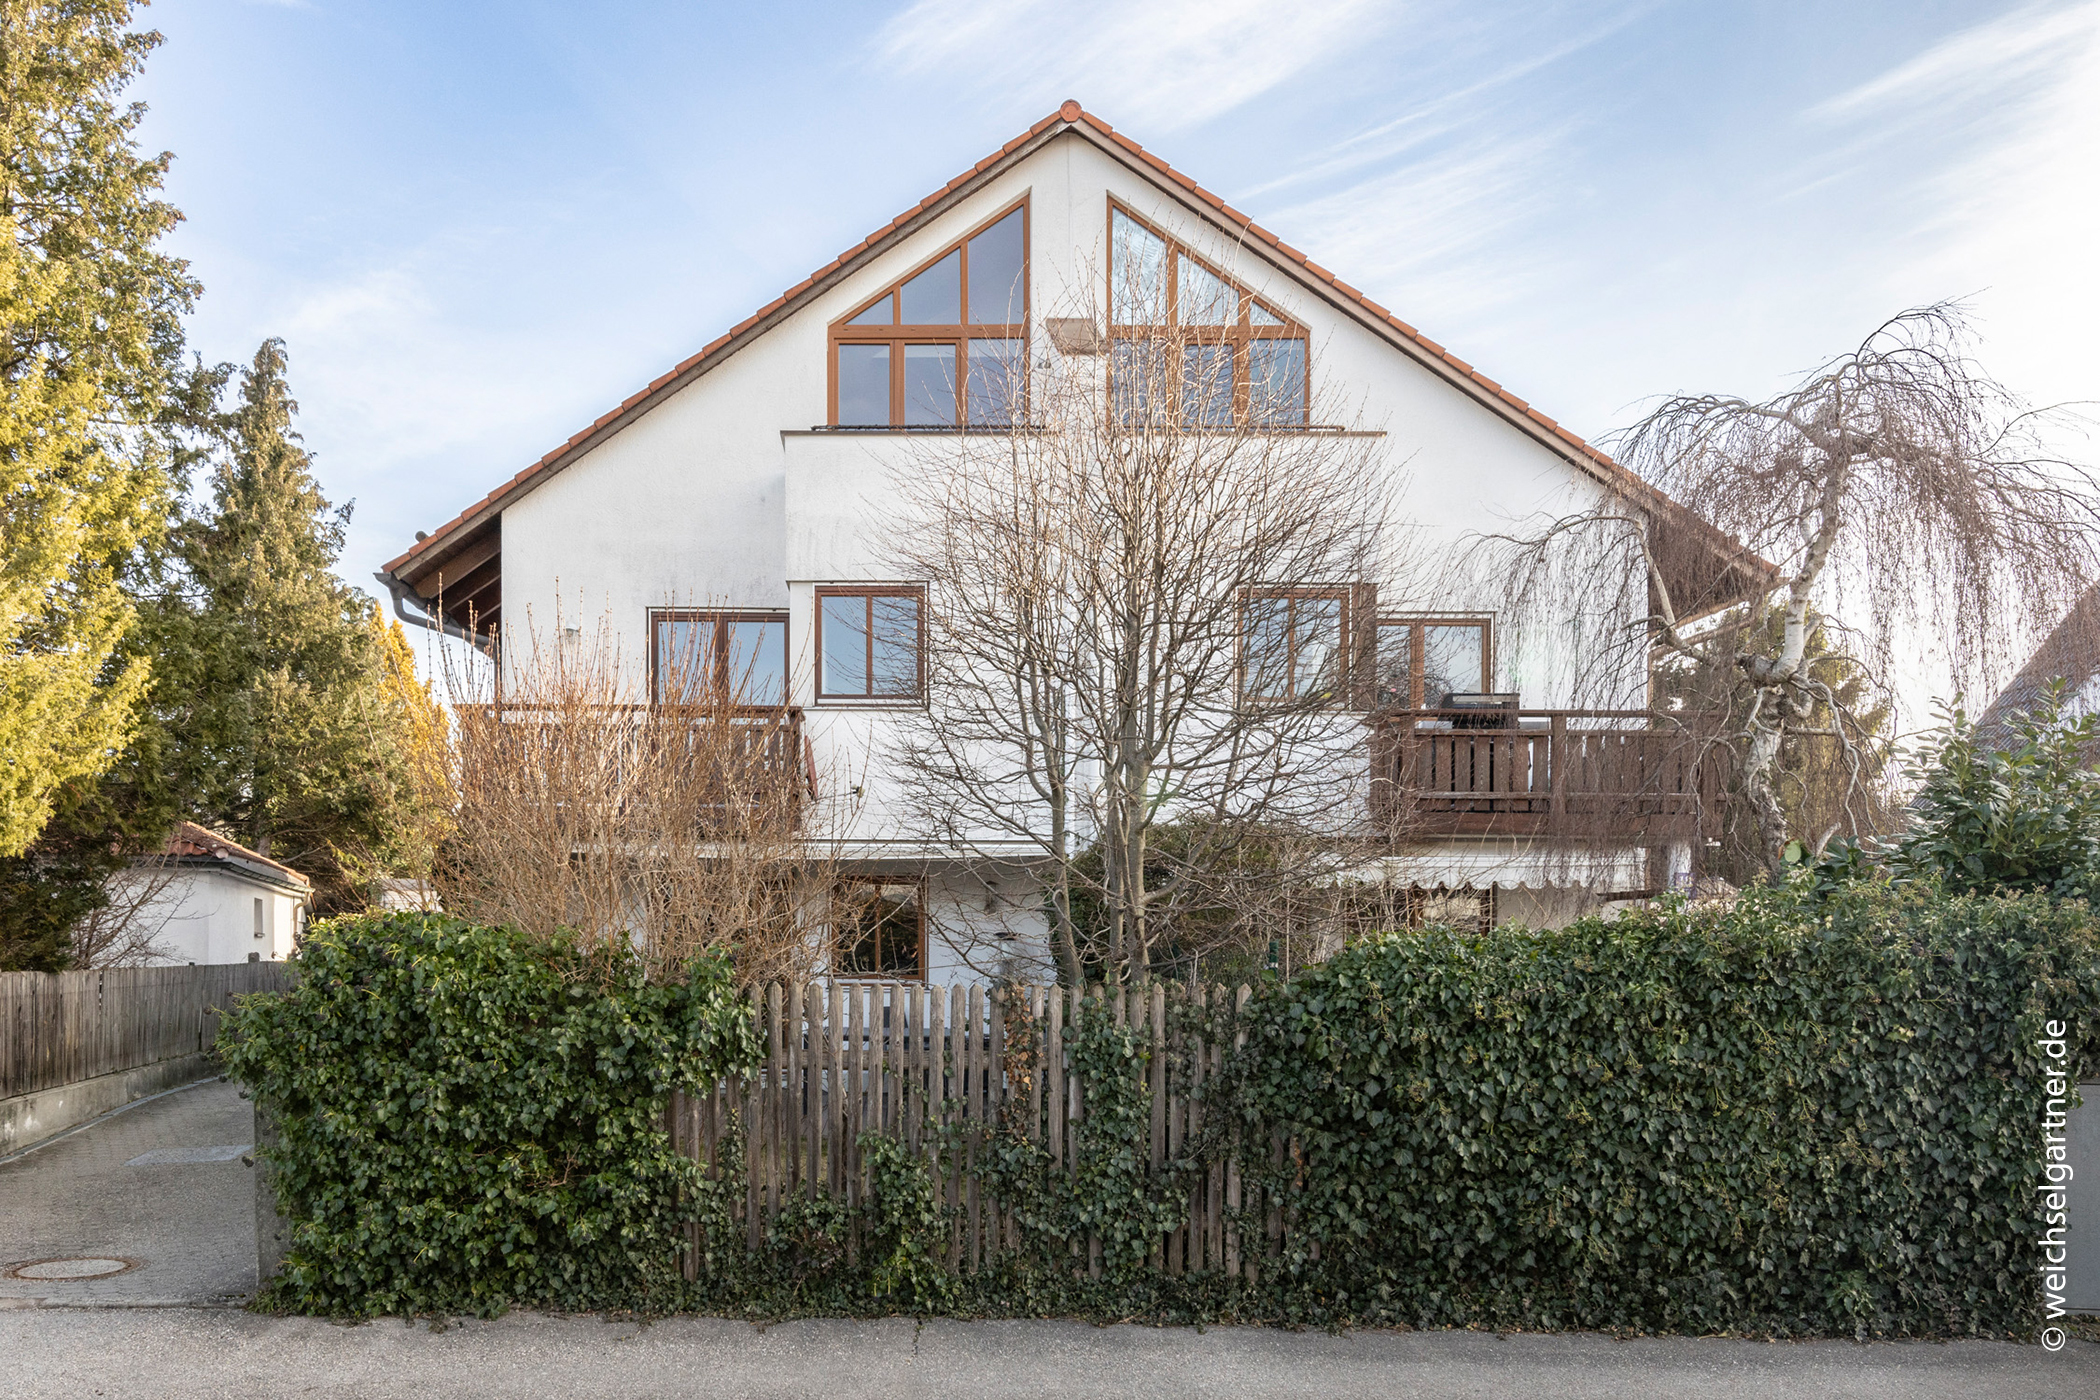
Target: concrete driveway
{"x": 161, "y": 1184}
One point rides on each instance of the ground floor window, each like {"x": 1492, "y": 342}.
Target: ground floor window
{"x": 881, "y": 928}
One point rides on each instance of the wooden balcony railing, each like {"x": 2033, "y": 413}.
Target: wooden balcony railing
{"x": 743, "y": 750}
{"x": 1622, "y": 776}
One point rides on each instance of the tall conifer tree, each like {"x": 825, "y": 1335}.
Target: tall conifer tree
{"x": 91, "y": 380}
{"x": 295, "y": 727}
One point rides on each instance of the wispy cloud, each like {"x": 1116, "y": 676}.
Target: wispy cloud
{"x": 2005, "y": 118}
{"x": 1426, "y": 120}
{"x": 1166, "y": 65}
{"x": 1972, "y": 63}
{"x": 1431, "y": 236}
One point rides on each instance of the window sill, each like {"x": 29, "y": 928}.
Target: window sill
{"x": 842, "y": 703}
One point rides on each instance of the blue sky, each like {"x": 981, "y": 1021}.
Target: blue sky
{"x": 478, "y": 226}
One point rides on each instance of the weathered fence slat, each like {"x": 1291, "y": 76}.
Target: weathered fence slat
{"x": 61, "y": 1028}
{"x": 942, "y": 1069}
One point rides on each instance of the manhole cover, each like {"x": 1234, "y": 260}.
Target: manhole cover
{"x": 70, "y": 1270}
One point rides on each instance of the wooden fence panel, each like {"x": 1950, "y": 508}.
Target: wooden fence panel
{"x": 61, "y": 1028}
{"x": 943, "y": 1068}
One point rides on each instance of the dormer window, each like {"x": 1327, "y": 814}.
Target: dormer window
{"x": 947, "y": 345}
{"x": 1187, "y": 342}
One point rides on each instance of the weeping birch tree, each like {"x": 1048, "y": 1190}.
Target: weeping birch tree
{"x": 1902, "y": 497}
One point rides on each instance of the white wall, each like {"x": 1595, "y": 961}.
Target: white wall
{"x": 209, "y": 917}
{"x": 722, "y": 497}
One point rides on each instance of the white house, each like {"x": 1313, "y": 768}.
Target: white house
{"x": 208, "y": 899}
{"x": 729, "y": 499}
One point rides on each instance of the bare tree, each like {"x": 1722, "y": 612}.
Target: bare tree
{"x": 125, "y": 931}
{"x": 685, "y": 818}
{"x": 1897, "y": 488}
{"x": 1148, "y": 572}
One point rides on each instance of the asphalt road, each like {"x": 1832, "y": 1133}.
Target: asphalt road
{"x": 171, "y": 1327}
{"x": 220, "y": 1353}
{"x": 190, "y": 1225}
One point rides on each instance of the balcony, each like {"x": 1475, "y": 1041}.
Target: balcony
{"x": 704, "y": 761}
{"x": 1626, "y": 777}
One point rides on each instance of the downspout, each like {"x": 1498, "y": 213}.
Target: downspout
{"x": 433, "y": 622}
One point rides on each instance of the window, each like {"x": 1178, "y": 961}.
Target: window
{"x": 1292, "y": 643}
{"x": 881, "y": 927}
{"x": 258, "y": 918}
{"x": 1186, "y": 341}
{"x": 700, "y": 657}
{"x": 869, "y": 643}
{"x": 946, "y": 346}
{"x": 1422, "y": 661}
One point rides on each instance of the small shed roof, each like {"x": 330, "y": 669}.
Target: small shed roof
{"x": 199, "y": 846}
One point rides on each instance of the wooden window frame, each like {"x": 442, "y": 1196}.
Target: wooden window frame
{"x": 720, "y": 617}
{"x": 897, "y": 335}
{"x": 1238, "y": 335}
{"x": 1416, "y": 651}
{"x": 923, "y": 885}
{"x": 871, "y": 591}
{"x": 1343, "y": 593}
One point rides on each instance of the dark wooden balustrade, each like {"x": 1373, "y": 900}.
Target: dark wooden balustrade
{"x": 746, "y": 749}
{"x": 1620, "y": 776}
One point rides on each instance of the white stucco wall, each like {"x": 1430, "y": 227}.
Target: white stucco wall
{"x": 722, "y": 497}
{"x": 208, "y": 916}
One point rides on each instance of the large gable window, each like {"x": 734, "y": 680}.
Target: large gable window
{"x": 1189, "y": 343}
{"x": 946, "y": 346}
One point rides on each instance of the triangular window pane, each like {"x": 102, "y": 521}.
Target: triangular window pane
{"x": 882, "y": 313}
{"x": 934, "y": 297}
{"x": 1139, "y": 259}
{"x": 1205, "y": 300}
{"x": 1259, "y": 315}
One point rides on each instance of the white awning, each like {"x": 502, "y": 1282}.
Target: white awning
{"x": 1480, "y": 868}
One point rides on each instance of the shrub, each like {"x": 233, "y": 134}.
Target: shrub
{"x": 1815, "y": 1112}
{"x": 2019, "y": 814}
{"x": 1794, "y": 1116}
{"x": 472, "y": 1117}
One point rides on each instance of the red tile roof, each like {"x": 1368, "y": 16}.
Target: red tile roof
{"x": 190, "y": 839}
{"x": 1069, "y": 117}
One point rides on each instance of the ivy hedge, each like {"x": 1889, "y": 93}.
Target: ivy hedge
{"x": 471, "y": 1118}
{"x": 1809, "y": 1114}
{"x": 1798, "y": 1116}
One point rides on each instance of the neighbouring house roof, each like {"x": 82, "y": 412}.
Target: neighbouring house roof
{"x": 200, "y": 847}
{"x": 462, "y": 559}
{"x": 2070, "y": 653}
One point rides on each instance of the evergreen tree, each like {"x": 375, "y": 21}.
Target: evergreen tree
{"x": 293, "y": 723}
{"x": 92, "y": 387}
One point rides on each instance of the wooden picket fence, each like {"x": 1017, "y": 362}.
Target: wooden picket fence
{"x": 844, "y": 1058}
{"x": 59, "y": 1028}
